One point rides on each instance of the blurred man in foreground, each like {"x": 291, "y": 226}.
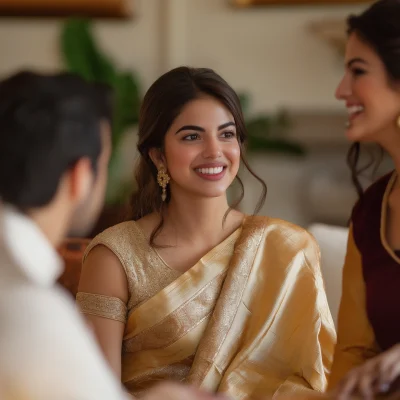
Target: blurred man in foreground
{"x": 55, "y": 144}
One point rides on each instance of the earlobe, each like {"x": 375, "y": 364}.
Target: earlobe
{"x": 157, "y": 157}
{"x": 81, "y": 179}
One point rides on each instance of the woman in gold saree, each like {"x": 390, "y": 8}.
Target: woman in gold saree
{"x": 191, "y": 289}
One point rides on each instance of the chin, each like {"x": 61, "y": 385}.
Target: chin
{"x": 352, "y": 135}
{"x": 210, "y": 194}
{"x": 358, "y": 134}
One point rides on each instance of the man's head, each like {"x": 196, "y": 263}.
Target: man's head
{"x": 54, "y": 149}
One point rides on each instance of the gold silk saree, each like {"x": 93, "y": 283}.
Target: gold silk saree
{"x": 249, "y": 319}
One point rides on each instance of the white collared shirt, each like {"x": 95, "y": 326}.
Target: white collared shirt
{"x": 46, "y": 351}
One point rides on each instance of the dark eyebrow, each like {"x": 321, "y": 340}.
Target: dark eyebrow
{"x": 355, "y": 60}
{"x": 223, "y": 126}
{"x": 200, "y": 129}
{"x": 190, "y": 128}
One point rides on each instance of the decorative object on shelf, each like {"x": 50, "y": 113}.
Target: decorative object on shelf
{"x": 82, "y": 55}
{"x": 266, "y": 131}
{"x": 332, "y": 32}
{"x": 250, "y": 3}
{"x": 62, "y": 8}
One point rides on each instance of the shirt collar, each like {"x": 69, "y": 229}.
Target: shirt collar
{"x": 30, "y": 249}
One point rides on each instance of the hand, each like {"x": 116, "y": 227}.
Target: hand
{"x": 375, "y": 376}
{"x": 175, "y": 391}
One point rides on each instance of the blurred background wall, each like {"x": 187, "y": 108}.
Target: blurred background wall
{"x": 270, "y": 53}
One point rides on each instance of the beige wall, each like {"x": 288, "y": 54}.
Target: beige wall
{"x": 267, "y": 51}
{"x": 134, "y": 44}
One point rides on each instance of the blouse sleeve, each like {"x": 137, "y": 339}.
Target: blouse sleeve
{"x": 102, "y": 306}
{"x": 356, "y": 340}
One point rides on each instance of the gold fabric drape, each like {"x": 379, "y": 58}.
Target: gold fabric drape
{"x": 249, "y": 319}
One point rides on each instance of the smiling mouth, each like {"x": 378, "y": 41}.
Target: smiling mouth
{"x": 210, "y": 171}
{"x": 354, "y": 112}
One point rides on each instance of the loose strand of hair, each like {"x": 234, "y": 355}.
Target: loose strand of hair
{"x": 263, "y": 195}
{"x": 353, "y": 159}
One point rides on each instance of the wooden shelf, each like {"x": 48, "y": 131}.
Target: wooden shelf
{"x": 121, "y": 9}
{"x": 250, "y": 3}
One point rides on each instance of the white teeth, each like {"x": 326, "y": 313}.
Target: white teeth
{"x": 354, "y": 109}
{"x": 210, "y": 171}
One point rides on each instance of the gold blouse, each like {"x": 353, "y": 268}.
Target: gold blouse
{"x": 146, "y": 272}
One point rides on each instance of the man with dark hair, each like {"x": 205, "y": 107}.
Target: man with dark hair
{"x": 55, "y": 144}
{"x": 54, "y": 148}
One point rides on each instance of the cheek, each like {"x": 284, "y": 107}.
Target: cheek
{"x": 384, "y": 104}
{"x": 233, "y": 153}
{"x": 374, "y": 94}
{"x": 179, "y": 158}
{"x": 364, "y": 90}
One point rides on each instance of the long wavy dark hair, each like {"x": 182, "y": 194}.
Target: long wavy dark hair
{"x": 161, "y": 105}
{"x": 379, "y": 27}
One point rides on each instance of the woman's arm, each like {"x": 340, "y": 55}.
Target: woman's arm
{"x": 103, "y": 274}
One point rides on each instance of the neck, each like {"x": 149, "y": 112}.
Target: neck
{"x": 193, "y": 217}
{"x": 397, "y": 167}
{"x": 392, "y": 145}
{"x": 395, "y": 156}
{"x": 53, "y": 224}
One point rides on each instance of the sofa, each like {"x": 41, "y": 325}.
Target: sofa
{"x": 332, "y": 241}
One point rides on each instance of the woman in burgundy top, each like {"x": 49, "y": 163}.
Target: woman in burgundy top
{"x": 369, "y": 316}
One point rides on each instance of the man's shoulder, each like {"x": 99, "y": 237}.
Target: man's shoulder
{"x": 22, "y": 300}
{"x": 44, "y": 339}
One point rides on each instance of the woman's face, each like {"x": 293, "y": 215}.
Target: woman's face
{"x": 373, "y": 104}
{"x": 201, "y": 149}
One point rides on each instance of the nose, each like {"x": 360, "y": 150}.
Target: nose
{"x": 212, "y": 148}
{"x": 343, "y": 91}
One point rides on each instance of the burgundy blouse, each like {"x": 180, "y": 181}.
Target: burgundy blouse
{"x": 381, "y": 265}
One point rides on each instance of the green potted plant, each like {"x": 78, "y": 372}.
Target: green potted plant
{"x": 81, "y": 54}
{"x": 266, "y": 132}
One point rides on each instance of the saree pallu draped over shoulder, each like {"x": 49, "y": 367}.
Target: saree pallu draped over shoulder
{"x": 249, "y": 319}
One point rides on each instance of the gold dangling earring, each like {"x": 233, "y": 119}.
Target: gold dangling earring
{"x": 398, "y": 121}
{"x": 163, "y": 180}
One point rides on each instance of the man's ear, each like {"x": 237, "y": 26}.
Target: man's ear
{"x": 81, "y": 178}
{"x": 157, "y": 156}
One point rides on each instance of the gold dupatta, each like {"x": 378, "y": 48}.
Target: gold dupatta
{"x": 251, "y": 318}
{"x": 206, "y": 372}
{"x": 271, "y": 332}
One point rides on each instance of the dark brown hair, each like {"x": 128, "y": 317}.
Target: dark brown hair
{"x": 47, "y": 123}
{"x": 379, "y": 27}
{"x": 161, "y": 105}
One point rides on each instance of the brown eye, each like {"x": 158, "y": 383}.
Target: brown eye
{"x": 358, "y": 71}
{"x": 191, "y": 137}
{"x": 228, "y": 135}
